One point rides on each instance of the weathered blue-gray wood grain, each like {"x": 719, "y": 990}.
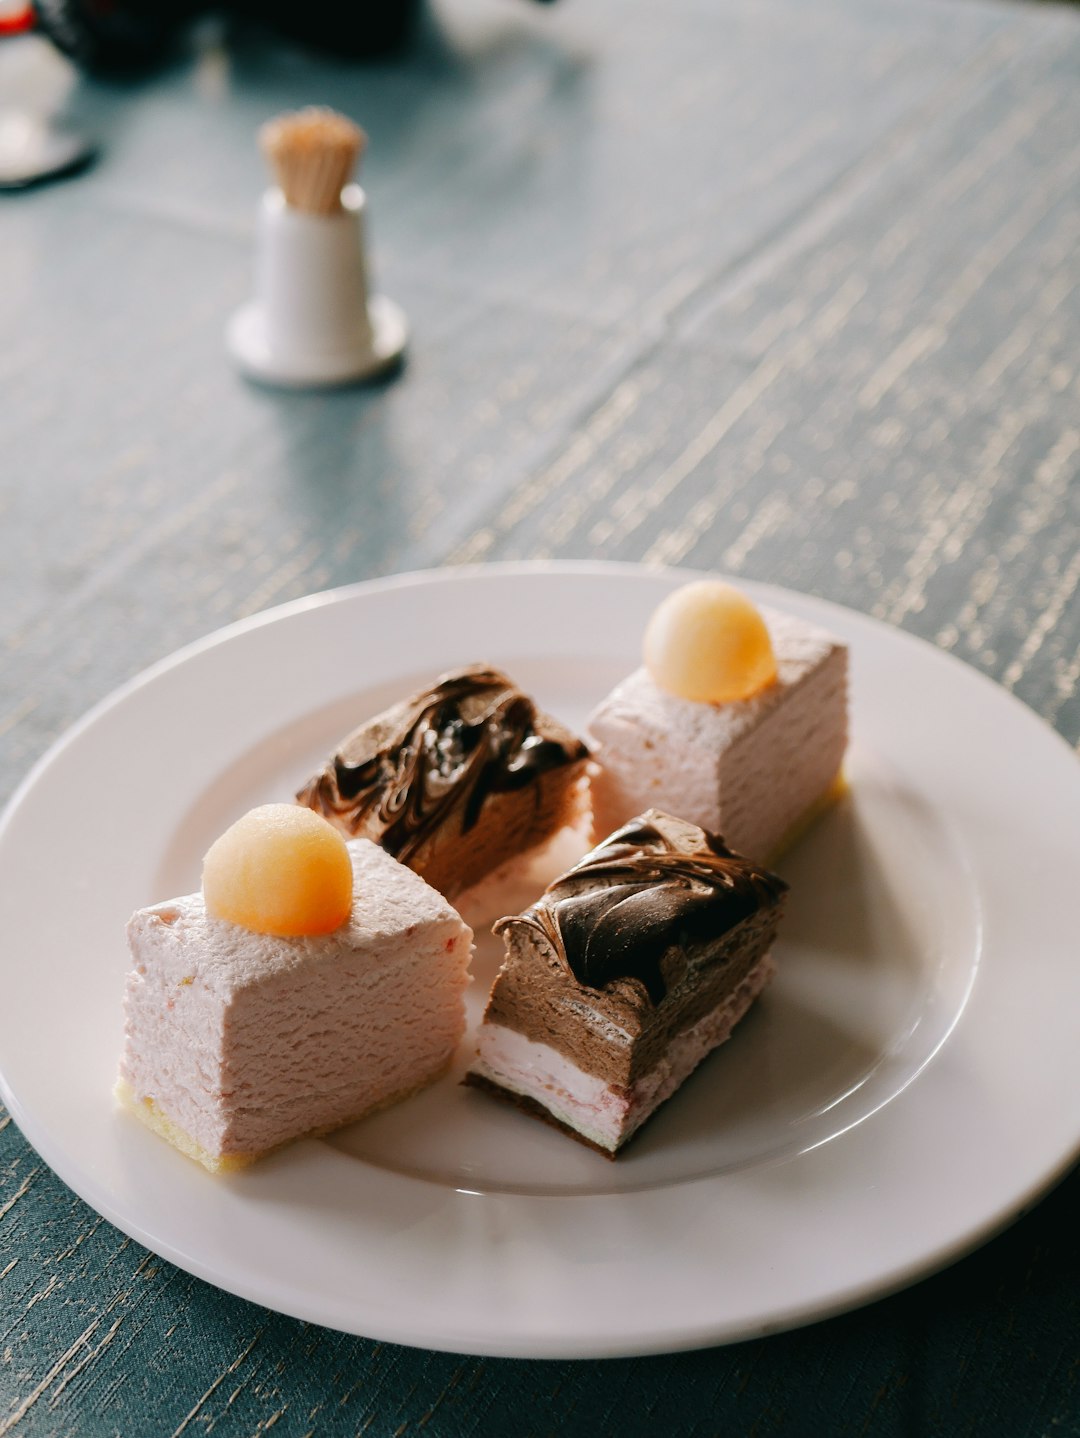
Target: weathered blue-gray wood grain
{"x": 787, "y": 290}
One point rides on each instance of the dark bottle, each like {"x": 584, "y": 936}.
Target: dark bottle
{"x": 110, "y": 36}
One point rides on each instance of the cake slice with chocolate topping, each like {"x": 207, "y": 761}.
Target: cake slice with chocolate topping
{"x": 629, "y": 969}
{"x": 455, "y": 780}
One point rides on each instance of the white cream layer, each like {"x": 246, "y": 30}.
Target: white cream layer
{"x": 587, "y": 1103}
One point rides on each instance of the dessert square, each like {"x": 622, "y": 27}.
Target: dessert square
{"x": 237, "y": 1042}
{"x": 624, "y": 975}
{"x": 455, "y": 780}
{"x": 754, "y": 770}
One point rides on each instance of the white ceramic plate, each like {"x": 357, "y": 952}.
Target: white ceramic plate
{"x": 906, "y": 1086}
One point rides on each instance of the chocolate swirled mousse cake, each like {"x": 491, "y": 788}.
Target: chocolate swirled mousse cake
{"x": 455, "y": 780}
{"x": 737, "y": 721}
{"x": 624, "y": 975}
{"x": 311, "y": 982}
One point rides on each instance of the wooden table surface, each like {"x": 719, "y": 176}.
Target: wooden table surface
{"x": 779, "y": 289}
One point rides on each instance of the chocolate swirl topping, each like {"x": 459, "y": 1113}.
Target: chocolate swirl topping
{"x": 400, "y": 777}
{"x": 657, "y": 883}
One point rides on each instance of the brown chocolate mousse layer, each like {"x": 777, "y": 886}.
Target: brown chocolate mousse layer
{"x": 454, "y": 780}
{"x": 653, "y": 930}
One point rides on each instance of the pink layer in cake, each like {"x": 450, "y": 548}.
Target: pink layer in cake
{"x": 607, "y": 1115}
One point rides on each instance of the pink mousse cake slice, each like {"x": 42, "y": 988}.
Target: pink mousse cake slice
{"x": 237, "y": 1042}
{"x": 754, "y": 770}
{"x": 624, "y": 975}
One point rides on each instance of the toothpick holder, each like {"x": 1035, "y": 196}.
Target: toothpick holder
{"x": 312, "y": 321}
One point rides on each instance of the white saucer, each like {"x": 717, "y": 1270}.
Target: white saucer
{"x": 247, "y": 343}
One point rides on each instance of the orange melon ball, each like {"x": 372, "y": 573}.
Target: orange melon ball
{"x": 708, "y": 642}
{"x": 281, "y": 869}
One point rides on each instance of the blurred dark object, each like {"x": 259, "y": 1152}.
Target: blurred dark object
{"x": 107, "y": 36}
{"x": 103, "y": 36}
{"x": 110, "y": 36}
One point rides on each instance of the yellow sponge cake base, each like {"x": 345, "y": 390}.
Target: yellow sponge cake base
{"x": 809, "y": 817}
{"x": 159, "y": 1122}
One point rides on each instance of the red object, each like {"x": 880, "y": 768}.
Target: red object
{"x": 14, "y": 19}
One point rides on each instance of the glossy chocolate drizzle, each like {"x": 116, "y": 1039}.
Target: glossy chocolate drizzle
{"x": 471, "y": 735}
{"x": 656, "y": 883}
